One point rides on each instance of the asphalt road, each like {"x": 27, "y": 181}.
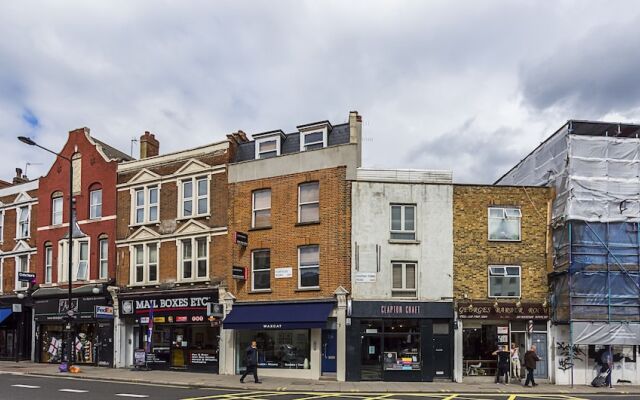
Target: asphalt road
{"x": 31, "y": 387}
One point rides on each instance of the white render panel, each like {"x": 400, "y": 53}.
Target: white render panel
{"x": 432, "y": 250}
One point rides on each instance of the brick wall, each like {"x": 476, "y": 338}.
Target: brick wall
{"x": 473, "y": 252}
{"x": 332, "y": 233}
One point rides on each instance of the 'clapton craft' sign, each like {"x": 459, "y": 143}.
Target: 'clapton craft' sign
{"x": 489, "y": 310}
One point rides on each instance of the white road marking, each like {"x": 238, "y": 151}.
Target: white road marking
{"x": 73, "y": 390}
{"x": 131, "y": 395}
{"x": 27, "y": 386}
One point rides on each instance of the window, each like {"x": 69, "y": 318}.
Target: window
{"x": 23, "y": 222}
{"x": 145, "y": 263}
{"x": 195, "y": 202}
{"x": 261, "y": 269}
{"x": 504, "y": 223}
{"x": 95, "y": 204}
{"x": 194, "y": 259}
{"x": 504, "y": 281}
{"x": 56, "y": 208}
{"x": 277, "y": 348}
{"x": 261, "y": 200}
{"x": 104, "y": 258}
{"x": 80, "y": 261}
{"x": 146, "y": 205}
{"x": 403, "y": 279}
{"x": 1, "y": 228}
{"x": 309, "y": 266}
{"x": 48, "y": 263}
{"x": 309, "y": 202}
{"x": 312, "y": 140}
{"x": 22, "y": 265}
{"x": 267, "y": 148}
{"x": 403, "y": 222}
{"x": 82, "y": 269}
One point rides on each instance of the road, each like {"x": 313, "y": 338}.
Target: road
{"x": 31, "y": 387}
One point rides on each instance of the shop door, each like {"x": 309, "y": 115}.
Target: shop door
{"x": 540, "y": 340}
{"x": 442, "y": 356}
{"x": 105, "y": 344}
{"x": 371, "y": 358}
{"x": 179, "y": 342}
{"x": 329, "y": 350}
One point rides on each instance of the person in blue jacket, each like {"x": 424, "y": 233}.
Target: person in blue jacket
{"x": 251, "y": 359}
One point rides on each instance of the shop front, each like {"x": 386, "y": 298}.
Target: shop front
{"x": 487, "y": 325}
{"x": 294, "y": 339}
{"x": 399, "y": 341}
{"x": 172, "y": 330}
{"x": 15, "y": 329}
{"x": 91, "y": 329}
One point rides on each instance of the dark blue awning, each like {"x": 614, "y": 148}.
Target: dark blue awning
{"x": 4, "y": 314}
{"x": 278, "y": 316}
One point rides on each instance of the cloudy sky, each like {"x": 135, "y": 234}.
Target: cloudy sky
{"x": 470, "y": 86}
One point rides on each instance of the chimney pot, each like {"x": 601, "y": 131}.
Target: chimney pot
{"x": 149, "y": 145}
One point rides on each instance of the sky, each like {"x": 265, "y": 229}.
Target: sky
{"x": 468, "y": 86}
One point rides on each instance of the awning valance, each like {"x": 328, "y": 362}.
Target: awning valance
{"x": 278, "y": 316}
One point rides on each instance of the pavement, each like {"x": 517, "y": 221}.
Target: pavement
{"x": 230, "y": 384}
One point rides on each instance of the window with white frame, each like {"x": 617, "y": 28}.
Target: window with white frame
{"x": 22, "y": 265}
{"x": 309, "y": 266}
{"x": 267, "y": 147}
{"x": 194, "y": 260}
{"x": 48, "y": 263}
{"x": 103, "y": 260}
{"x": 504, "y": 281}
{"x": 403, "y": 279}
{"x": 309, "y": 202}
{"x": 56, "y": 208}
{"x": 145, "y": 264}
{"x": 261, "y": 206}
{"x": 312, "y": 140}
{"x": 80, "y": 260}
{"x": 145, "y": 202}
{"x": 1, "y": 226}
{"x": 23, "y": 222}
{"x": 261, "y": 269}
{"x": 504, "y": 223}
{"x": 95, "y": 204}
{"x": 195, "y": 196}
{"x": 403, "y": 221}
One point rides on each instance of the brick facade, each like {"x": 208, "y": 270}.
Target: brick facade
{"x": 473, "y": 252}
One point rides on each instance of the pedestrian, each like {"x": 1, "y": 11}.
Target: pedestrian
{"x": 607, "y": 365}
{"x": 515, "y": 361}
{"x": 251, "y": 362}
{"x": 503, "y": 363}
{"x": 530, "y": 359}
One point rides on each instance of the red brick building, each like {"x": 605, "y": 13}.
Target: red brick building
{"x": 93, "y": 250}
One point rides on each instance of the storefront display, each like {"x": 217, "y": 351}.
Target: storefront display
{"x": 277, "y": 349}
{"x": 15, "y": 332}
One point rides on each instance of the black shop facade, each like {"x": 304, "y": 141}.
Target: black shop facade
{"x": 399, "y": 341}
{"x": 171, "y": 329}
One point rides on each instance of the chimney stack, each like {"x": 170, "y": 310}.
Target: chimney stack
{"x": 19, "y": 178}
{"x": 149, "y": 145}
{"x": 355, "y": 132}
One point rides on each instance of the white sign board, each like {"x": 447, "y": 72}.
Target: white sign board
{"x": 286, "y": 272}
{"x": 365, "y": 277}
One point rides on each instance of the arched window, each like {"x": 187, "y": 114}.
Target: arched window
{"x": 56, "y": 208}
{"x": 103, "y": 254}
{"x": 48, "y": 263}
{"x": 95, "y": 201}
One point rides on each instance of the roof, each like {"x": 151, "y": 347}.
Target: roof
{"x": 112, "y": 152}
{"x": 404, "y": 175}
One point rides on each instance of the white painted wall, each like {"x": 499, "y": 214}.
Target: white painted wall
{"x": 433, "y": 249}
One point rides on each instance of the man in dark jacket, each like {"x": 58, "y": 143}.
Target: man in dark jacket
{"x": 530, "y": 359}
{"x": 251, "y": 362}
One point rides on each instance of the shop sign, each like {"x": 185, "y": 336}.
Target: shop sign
{"x": 16, "y": 307}
{"x": 284, "y": 272}
{"x": 55, "y": 309}
{"x": 401, "y": 309}
{"x": 241, "y": 238}
{"x": 26, "y": 276}
{"x": 200, "y": 358}
{"x": 508, "y": 311}
{"x": 180, "y": 318}
{"x": 159, "y": 320}
{"x": 215, "y": 310}
{"x": 365, "y": 277}
{"x": 168, "y": 305}
{"x": 239, "y": 273}
{"x": 104, "y": 312}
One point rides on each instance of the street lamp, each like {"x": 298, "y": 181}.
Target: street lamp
{"x": 30, "y": 142}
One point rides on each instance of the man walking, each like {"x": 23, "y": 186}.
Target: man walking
{"x": 515, "y": 362}
{"x": 607, "y": 365}
{"x": 530, "y": 359}
{"x": 251, "y": 362}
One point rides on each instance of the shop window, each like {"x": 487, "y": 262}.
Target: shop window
{"x": 403, "y": 222}
{"x": 504, "y": 281}
{"x": 286, "y": 349}
{"x": 371, "y": 326}
{"x": 56, "y": 208}
{"x": 261, "y": 269}
{"x": 309, "y": 266}
{"x": 309, "y": 202}
{"x": 95, "y": 202}
{"x": 520, "y": 326}
{"x": 48, "y": 263}
{"x": 145, "y": 202}
{"x": 23, "y": 222}
{"x": 478, "y": 344}
{"x": 194, "y": 259}
{"x": 86, "y": 340}
{"x": 104, "y": 257}
{"x": 403, "y": 279}
{"x": 504, "y": 223}
{"x": 195, "y": 197}
{"x": 261, "y": 206}
{"x": 145, "y": 263}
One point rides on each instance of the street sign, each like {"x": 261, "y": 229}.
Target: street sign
{"x": 215, "y": 310}
{"x": 239, "y": 273}
{"x": 26, "y": 276}
{"x": 16, "y": 307}
{"x": 241, "y": 238}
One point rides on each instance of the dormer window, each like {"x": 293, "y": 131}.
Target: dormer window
{"x": 268, "y": 149}
{"x": 313, "y": 140}
{"x": 269, "y": 144}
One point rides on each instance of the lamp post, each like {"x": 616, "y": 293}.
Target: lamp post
{"x": 70, "y": 315}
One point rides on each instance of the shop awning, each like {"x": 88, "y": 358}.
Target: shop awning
{"x": 4, "y": 314}
{"x": 278, "y": 316}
